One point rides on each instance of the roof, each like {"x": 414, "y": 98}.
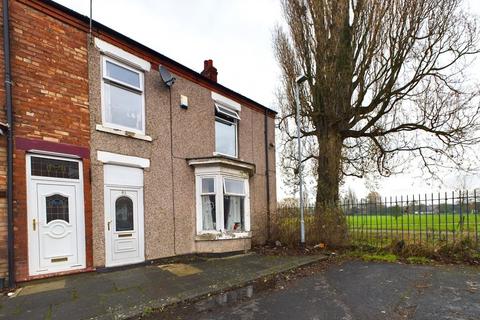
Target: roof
{"x": 99, "y": 28}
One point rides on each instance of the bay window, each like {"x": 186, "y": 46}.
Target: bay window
{"x": 234, "y": 204}
{"x": 208, "y": 199}
{"x": 222, "y": 202}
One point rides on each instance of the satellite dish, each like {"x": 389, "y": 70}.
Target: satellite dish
{"x": 167, "y": 77}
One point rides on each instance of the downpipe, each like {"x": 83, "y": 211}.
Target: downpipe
{"x": 267, "y": 177}
{"x": 9, "y": 129}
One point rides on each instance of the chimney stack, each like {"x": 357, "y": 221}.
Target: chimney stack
{"x": 209, "y": 70}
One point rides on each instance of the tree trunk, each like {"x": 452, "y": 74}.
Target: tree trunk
{"x": 328, "y": 168}
{"x": 331, "y": 223}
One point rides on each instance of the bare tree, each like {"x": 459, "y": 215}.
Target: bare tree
{"x": 350, "y": 197}
{"x": 373, "y": 202}
{"x": 373, "y": 197}
{"x": 387, "y": 82}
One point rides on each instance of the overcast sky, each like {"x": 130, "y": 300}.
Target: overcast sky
{"x": 237, "y": 35}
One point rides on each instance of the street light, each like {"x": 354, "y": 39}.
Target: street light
{"x": 299, "y": 80}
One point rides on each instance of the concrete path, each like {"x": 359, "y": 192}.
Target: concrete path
{"x": 135, "y": 291}
{"x": 361, "y": 290}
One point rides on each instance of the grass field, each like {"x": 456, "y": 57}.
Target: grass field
{"x": 381, "y": 230}
{"x": 429, "y": 222}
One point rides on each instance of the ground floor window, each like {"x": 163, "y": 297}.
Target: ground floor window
{"x": 222, "y": 203}
{"x": 208, "y": 199}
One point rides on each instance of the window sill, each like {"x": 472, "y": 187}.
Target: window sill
{"x": 225, "y": 155}
{"x": 124, "y": 133}
{"x": 214, "y": 236}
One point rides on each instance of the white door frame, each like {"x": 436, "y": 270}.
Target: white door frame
{"x": 32, "y": 213}
{"x": 123, "y": 182}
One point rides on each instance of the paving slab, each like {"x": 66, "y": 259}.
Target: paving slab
{"x": 129, "y": 293}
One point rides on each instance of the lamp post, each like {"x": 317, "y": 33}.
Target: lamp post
{"x": 299, "y": 80}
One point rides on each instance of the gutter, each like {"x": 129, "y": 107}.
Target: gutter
{"x": 8, "y": 98}
{"x": 267, "y": 175}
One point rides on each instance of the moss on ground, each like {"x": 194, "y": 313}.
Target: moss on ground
{"x": 385, "y": 257}
{"x": 418, "y": 260}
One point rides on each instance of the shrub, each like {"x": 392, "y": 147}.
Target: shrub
{"x": 462, "y": 250}
{"x": 324, "y": 224}
{"x": 331, "y": 226}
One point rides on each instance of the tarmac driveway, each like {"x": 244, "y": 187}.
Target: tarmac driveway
{"x": 365, "y": 290}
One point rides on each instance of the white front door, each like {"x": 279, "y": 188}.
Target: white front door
{"x": 123, "y": 215}
{"x": 55, "y": 215}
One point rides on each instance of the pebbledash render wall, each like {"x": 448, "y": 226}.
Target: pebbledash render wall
{"x": 51, "y": 111}
{"x": 169, "y": 182}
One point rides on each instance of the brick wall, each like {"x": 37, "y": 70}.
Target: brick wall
{"x": 50, "y": 99}
{"x": 3, "y": 173}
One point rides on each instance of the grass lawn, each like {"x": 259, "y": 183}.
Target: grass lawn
{"x": 380, "y": 230}
{"x": 426, "y": 222}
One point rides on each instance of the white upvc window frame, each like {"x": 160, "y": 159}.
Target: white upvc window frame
{"x": 220, "y": 174}
{"x": 227, "y": 111}
{"x": 125, "y": 86}
{"x": 214, "y": 193}
{"x": 224, "y": 185}
{"x": 233, "y": 114}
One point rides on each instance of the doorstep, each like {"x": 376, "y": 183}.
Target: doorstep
{"x": 130, "y": 293}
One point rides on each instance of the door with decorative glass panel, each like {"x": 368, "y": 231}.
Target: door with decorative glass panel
{"x": 55, "y": 212}
{"x": 124, "y": 239}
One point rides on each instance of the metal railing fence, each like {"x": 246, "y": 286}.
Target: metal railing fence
{"x": 425, "y": 219}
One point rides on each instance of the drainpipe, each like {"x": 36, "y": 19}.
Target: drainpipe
{"x": 172, "y": 156}
{"x": 267, "y": 175}
{"x": 8, "y": 98}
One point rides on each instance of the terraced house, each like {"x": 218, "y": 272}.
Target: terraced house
{"x": 113, "y": 154}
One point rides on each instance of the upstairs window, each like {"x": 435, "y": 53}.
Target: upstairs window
{"x": 226, "y": 130}
{"x": 123, "y": 97}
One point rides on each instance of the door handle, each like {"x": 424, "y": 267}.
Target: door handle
{"x": 108, "y": 225}
{"x": 34, "y": 224}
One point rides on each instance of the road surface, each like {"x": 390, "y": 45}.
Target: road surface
{"x": 354, "y": 290}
